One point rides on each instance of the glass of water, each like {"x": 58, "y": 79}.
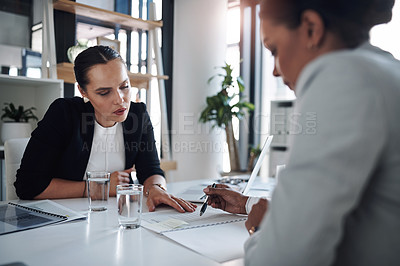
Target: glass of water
{"x": 98, "y": 188}
{"x": 129, "y": 200}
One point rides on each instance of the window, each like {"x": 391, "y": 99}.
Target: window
{"x": 232, "y": 58}
{"x": 385, "y": 36}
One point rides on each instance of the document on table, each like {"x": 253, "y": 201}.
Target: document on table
{"x": 217, "y": 234}
{"x": 171, "y": 220}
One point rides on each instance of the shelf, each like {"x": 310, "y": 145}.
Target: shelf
{"x": 25, "y": 81}
{"x": 168, "y": 165}
{"x": 65, "y": 71}
{"x": 105, "y": 15}
{"x": 165, "y": 165}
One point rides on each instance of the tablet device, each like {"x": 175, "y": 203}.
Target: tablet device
{"x": 258, "y": 165}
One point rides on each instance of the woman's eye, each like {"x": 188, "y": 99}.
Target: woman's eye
{"x": 104, "y": 93}
{"x": 124, "y": 87}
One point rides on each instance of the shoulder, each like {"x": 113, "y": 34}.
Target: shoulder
{"x": 137, "y": 108}
{"x": 70, "y": 107}
{"x": 64, "y": 112}
{"x": 359, "y": 69}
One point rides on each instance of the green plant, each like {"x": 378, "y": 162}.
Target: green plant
{"x": 221, "y": 108}
{"x": 254, "y": 153}
{"x": 18, "y": 115}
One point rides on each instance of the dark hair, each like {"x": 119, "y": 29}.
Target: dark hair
{"x": 90, "y": 57}
{"x": 351, "y": 20}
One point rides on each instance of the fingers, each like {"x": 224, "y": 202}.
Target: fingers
{"x": 216, "y": 202}
{"x": 179, "y": 204}
{"x": 220, "y": 191}
{"x": 221, "y": 186}
{"x": 123, "y": 180}
{"x": 188, "y": 206}
{"x": 129, "y": 170}
{"x": 122, "y": 177}
{"x": 173, "y": 203}
{"x": 150, "y": 205}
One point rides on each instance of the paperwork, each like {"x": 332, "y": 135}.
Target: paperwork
{"x": 217, "y": 234}
{"x": 170, "y": 220}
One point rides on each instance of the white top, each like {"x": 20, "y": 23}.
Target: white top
{"x": 251, "y": 201}
{"x": 337, "y": 201}
{"x": 107, "y": 153}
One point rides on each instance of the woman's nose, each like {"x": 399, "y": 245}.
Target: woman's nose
{"x": 119, "y": 97}
{"x": 275, "y": 72}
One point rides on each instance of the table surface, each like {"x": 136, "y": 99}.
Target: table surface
{"x": 98, "y": 240}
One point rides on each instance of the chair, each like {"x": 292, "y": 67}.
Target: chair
{"x": 13, "y": 152}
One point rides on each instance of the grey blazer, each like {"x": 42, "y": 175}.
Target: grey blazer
{"x": 338, "y": 200}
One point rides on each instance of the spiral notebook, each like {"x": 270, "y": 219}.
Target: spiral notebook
{"x": 171, "y": 220}
{"x": 15, "y": 217}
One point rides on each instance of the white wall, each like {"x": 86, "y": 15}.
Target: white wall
{"x": 14, "y": 29}
{"x": 199, "y": 46}
{"x": 103, "y": 4}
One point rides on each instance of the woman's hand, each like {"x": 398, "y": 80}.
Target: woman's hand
{"x": 227, "y": 199}
{"x": 119, "y": 178}
{"x": 257, "y": 214}
{"x": 157, "y": 196}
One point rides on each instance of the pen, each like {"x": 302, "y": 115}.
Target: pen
{"x": 204, "y": 206}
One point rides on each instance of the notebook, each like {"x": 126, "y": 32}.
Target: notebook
{"x": 17, "y": 217}
{"x": 196, "y": 194}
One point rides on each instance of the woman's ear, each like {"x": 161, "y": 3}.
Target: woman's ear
{"x": 314, "y": 28}
{"x": 83, "y": 93}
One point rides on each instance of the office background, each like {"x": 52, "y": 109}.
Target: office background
{"x": 196, "y": 37}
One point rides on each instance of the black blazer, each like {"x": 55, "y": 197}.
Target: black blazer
{"x": 60, "y": 146}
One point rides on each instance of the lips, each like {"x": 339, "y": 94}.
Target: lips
{"x": 120, "y": 111}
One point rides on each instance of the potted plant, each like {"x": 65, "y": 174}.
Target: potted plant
{"x": 254, "y": 153}
{"x": 16, "y": 122}
{"x": 221, "y": 108}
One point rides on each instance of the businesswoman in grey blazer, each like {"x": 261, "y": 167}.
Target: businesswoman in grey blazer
{"x": 337, "y": 201}
{"x": 104, "y": 130}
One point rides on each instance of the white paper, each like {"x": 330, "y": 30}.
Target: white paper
{"x": 216, "y": 234}
{"x": 221, "y": 243}
{"x": 189, "y": 220}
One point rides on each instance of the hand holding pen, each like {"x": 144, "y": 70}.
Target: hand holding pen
{"x": 225, "y": 198}
{"x": 204, "y": 206}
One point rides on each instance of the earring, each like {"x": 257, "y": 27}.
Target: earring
{"x": 85, "y": 99}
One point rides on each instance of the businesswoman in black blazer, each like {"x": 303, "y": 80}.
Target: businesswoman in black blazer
{"x": 102, "y": 130}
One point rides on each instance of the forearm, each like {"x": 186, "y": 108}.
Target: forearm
{"x": 61, "y": 188}
{"x": 154, "y": 179}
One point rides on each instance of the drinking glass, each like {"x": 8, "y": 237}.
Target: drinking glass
{"x": 129, "y": 200}
{"x": 98, "y": 188}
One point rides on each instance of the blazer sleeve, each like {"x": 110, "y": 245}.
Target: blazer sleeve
{"x": 48, "y": 140}
{"x": 147, "y": 160}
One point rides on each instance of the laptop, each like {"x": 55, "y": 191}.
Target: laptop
{"x": 195, "y": 193}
